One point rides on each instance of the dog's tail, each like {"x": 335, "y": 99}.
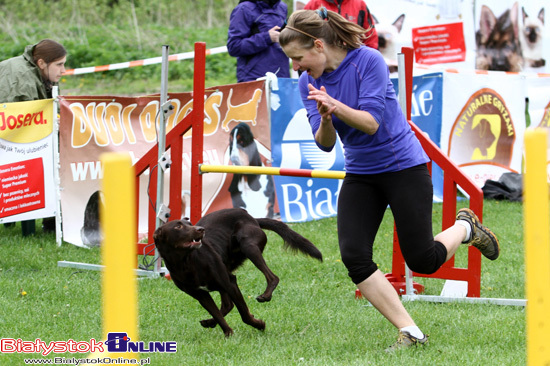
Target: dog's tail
{"x": 292, "y": 239}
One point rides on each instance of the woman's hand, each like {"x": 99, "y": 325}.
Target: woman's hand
{"x": 326, "y": 134}
{"x": 328, "y": 106}
{"x": 274, "y": 34}
{"x": 325, "y": 103}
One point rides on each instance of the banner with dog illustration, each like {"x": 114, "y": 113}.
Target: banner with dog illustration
{"x": 440, "y": 31}
{"x": 236, "y": 130}
{"x": 27, "y": 161}
{"x": 484, "y": 123}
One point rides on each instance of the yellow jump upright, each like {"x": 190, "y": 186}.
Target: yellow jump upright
{"x": 118, "y": 249}
{"x": 537, "y": 247}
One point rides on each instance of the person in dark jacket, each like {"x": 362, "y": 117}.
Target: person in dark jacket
{"x": 253, "y": 38}
{"x": 31, "y": 76}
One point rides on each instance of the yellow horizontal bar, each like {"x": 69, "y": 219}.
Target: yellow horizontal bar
{"x": 260, "y": 170}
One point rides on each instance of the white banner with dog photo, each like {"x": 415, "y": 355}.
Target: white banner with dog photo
{"x": 511, "y": 35}
{"x": 499, "y": 35}
{"x": 397, "y": 20}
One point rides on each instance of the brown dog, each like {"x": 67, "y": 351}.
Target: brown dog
{"x": 202, "y": 258}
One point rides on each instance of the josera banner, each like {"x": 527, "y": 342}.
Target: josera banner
{"x": 26, "y": 161}
{"x": 91, "y": 126}
{"x": 293, "y": 146}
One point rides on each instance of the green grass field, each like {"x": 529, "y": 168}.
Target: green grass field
{"x": 313, "y": 319}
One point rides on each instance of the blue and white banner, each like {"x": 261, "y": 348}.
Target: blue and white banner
{"x": 293, "y": 146}
{"x": 426, "y": 113}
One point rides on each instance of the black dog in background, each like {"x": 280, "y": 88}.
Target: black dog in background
{"x": 202, "y": 258}
{"x": 90, "y": 233}
{"x": 244, "y": 152}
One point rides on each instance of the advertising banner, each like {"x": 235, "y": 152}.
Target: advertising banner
{"x": 301, "y": 199}
{"x": 293, "y": 146}
{"x": 439, "y": 44}
{"x": 26, "y": 161}
{"x": 538, "y": 92}
{"x": 484, "y": 123}
{"x": 91, "y": 126}
{"x": 440, "y": 31}
{"x": 511, "y": 35}
{"x": 427, "y": 113}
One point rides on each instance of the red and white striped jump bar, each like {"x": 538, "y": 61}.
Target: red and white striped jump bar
{"x": 306, "y": 173}
{"x": 147, "y": 61}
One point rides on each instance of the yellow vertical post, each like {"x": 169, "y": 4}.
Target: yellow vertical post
{"x": 118, "y": 250}
{"x": 537, "y": 247}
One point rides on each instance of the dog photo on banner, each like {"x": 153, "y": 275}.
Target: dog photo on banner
{"x": 511, "y": 35}
{"x": 91, "y": 126}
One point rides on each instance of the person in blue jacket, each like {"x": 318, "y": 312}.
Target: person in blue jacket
{"x": 253, "y": 38}
{"x": 347, "y": 92}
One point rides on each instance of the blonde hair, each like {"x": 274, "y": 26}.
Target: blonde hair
{"x": 305, "y": 26}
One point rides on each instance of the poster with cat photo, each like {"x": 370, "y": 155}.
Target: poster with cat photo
{"x": 395, "y": 21}
{"x": 511, "y": 35}
{"x": 399, "y": 22}
{"x": 500, "y": 35}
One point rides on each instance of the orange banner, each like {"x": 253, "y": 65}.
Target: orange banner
{"x": 91, "y": 126}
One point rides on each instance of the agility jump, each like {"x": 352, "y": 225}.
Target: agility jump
{"x": 453, "y": 177}
{"x": 537, "y": 229}
{"x": 305, "y": 173}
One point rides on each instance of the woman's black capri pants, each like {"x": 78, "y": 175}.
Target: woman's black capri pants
{"x": 362, "y": 202}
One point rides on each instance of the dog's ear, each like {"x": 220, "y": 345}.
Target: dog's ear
{"x": 487, "y": 22}
{"x": 188, "y": 220}
{"x": 398, "y": 24}
{"x": 514, "y": 12}
{"x": 157, "y": 235}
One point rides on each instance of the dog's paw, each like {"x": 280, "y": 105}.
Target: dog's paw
{"x": 228, "y": 333}
{"x": 208, "y": 323}
{"x": 263, "y": 298}
{"x": 259, "y": 324}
